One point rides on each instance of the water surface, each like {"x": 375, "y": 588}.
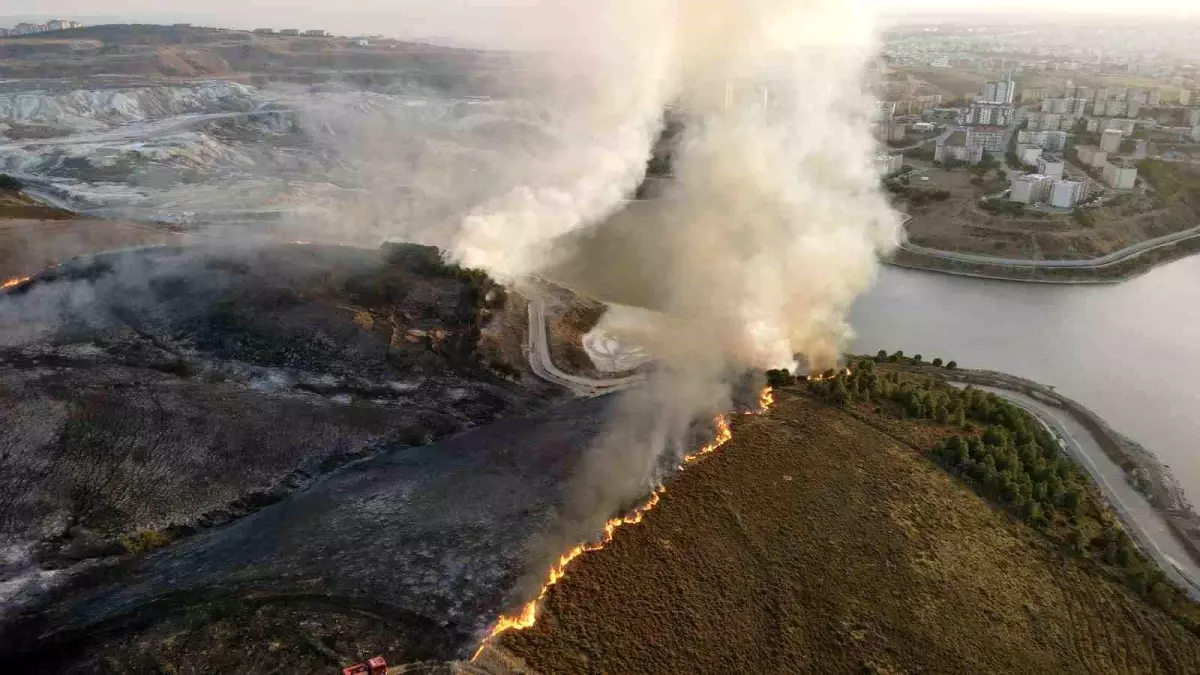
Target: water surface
{"x": 1130, "y": 351}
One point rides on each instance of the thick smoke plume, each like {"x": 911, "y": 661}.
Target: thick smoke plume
{"x": 773, "y": 220}
{"x": 753, "y": 253}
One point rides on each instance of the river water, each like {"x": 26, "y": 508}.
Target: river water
{"x": 1130, "y": 351}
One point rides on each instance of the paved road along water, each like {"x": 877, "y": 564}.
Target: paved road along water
{"x": 1130, "y": 351}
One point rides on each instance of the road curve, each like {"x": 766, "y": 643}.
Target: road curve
{"x": 543, "y": 366}
{"x": 1113, "y": 258}
{"x": 1143, "y": 522}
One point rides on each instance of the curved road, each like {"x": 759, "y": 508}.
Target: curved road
{"x": 1143, "y": 522}
{"x": 543, "y": 366}
{"x": 1113, "y": 258}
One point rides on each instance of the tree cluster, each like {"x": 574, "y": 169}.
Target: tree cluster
{"x": 898, "y": 357}
{"x": 1010, "y": 458}
{"x": 1013, "y": 464}
{"x": 1172, "y": 179}
{"x": 1003, "y": 207}
{"x": 917, "y": 196}
{"x": 7, "y": 182}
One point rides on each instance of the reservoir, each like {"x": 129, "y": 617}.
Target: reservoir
{"x": 1129, "y": 351}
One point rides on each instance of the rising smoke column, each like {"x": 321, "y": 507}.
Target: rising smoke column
{"x": 772, "y": 223}
{"x": 608, "y": 69}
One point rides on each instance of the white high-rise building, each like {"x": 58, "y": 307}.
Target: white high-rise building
{"x": 1048, "y": 166}
{"x": 1064, "y": 106}
{"x": 1066, "y": 194}
{"x": 1030, "y": 156}
{"x": 1110, "y": 141}
{"x": 1120, "y": 176}
{"x": 988, "y": 93}
{"x": 1030, "y": 188}
{"x": 998, "y": 92}
{"x": 988, "y": 114}
{"x": 991, "y": 139}
{"x": 1052, "y": 141}
{"x": 1092, "y": 156}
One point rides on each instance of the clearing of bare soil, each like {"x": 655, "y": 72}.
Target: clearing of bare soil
{"x": 814, "y": 542}
{"x": 959, "y": 224}
{"x": 570, "y": 317}
{"x": 34, "y": 236}
{"x": 28, "y": 246}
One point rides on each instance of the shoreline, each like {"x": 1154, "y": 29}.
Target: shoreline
{"x": 1113, "y": 272}
{"x": 1140, "y": 468}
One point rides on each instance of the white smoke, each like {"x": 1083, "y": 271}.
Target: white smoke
{"x": 771, "y": 225}
{"x": 610, "y": 74}
{"x": 773, "y": 221}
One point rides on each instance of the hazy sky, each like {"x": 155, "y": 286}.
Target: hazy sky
{"x": 459, "y": 20}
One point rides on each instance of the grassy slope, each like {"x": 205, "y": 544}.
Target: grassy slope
{"x": 815, "y": 543}
{"x": 15, "y": 204}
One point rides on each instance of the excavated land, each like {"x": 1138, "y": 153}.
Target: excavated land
{"x": 814, "y": 542}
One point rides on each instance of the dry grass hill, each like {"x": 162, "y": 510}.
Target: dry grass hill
{"x": 817, "y": 542}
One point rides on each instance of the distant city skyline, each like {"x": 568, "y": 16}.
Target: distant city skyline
{"x": 473, "y": 21}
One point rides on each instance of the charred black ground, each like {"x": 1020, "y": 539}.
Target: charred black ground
{"x": 154, "y": 393}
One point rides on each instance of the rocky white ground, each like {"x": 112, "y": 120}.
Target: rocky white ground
{"x": 347, "y": 163}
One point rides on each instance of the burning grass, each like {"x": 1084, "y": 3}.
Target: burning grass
{"x": 528, "y": 614}
{"x": 816, "y": 543}
{"x": 13, "y": 283}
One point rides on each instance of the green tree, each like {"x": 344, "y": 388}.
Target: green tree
{"x": 881, "y": 356}
{"x": 916, "y": 358}
{"x": 941, "y": 414}
{"x": 1072, "y": 500}
{"x": 1077, "y": 541}
{"x": 952, "y": 365}
{"x": 1160, "y": 594}
{"x": 937, "y": 363}
{"x": 780, "y": 378}
{"x": 1137, "y": 580}
{"x": 1032, "y": 513}
{"x": 840, "y": 394}
{"x": 7, "y": 182}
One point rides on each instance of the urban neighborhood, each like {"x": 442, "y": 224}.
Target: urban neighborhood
{"x": 1028, "y": 141}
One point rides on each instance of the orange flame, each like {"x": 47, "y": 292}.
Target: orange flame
{"x": 15, "y": 281}
{"x": 765, "y": 400}
{"x": 528, "y": 615}
{"x": 821, "y": 377}
{"x": 724, "y": 434}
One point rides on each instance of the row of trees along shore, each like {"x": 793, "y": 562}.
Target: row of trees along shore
{"x": 1005, "y": 455}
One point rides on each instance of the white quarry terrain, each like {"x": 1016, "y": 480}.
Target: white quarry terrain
{"x": 312, "y": 158}
{"x": 96, "y": 109}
